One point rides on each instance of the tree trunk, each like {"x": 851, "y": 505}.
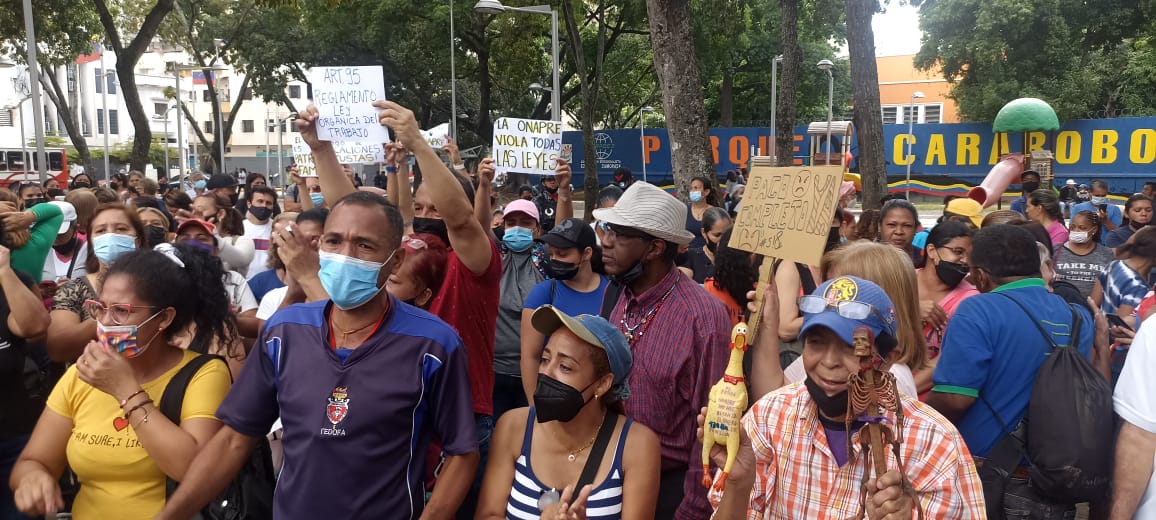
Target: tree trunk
{"x": 868, "y": 118}
{"x": 726, "y": 99}
{"x": 143, "y": 138}
{"x": 672, "y": 42}
{"x": 788, "y": 84}
{"x": 67, "y": 115}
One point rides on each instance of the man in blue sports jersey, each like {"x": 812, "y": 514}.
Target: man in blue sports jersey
{"x": 361, "y": 382}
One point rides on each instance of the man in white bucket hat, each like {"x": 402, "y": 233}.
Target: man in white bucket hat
{"x": 678, "y": 333}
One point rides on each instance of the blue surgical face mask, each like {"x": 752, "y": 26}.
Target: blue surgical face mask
{"x": 1099, "y": 201}
{"x": 200, "y": 185}
{"x": 317, "y": 198}
{"x": 696, "y": 196}
{"x": 518, "y": 238}
{"x": 350, "y": 282}
{"x": 110, "y": 246}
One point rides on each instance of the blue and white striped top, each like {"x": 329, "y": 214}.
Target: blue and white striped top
{"x": 605, "y": 502}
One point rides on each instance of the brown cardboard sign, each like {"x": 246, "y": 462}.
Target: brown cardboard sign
{"x": 786, "y": 212}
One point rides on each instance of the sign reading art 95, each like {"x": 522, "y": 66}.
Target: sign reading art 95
{"x": 344, "y": 99}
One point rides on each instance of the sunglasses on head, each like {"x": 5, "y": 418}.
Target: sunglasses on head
{"x": 852, "y": 310}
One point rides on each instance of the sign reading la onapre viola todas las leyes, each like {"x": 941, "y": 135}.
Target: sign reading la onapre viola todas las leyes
{"x": 526, "y": 145}
{"x": 786, "y": 212}
{"x": 344, "y": 99}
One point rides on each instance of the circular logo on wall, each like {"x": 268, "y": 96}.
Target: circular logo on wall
{"x": 603, "y": 146}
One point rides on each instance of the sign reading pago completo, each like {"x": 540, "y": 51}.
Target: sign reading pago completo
{"x": 786, "y": 212}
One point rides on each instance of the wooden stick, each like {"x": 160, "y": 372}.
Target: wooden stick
{"x": 878, "y": 450}
{"x": 766, "y": 271}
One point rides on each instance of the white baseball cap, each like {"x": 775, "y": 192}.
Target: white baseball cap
{"x": 1071, "y": 182}
{"x": 69, "y": 213}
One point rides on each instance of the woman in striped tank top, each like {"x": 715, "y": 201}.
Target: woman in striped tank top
{"x": 538, "y": 453}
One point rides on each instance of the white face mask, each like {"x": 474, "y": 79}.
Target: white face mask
{"x": 1079, "y": 237}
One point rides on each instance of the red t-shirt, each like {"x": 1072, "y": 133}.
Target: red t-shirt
{"x": 469, "y": 304}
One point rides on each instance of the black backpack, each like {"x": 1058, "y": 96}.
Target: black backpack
{"x": 1069, "y": 425}
{"x": 250, "y": 495}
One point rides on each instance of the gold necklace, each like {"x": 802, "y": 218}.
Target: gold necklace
{"x": 575, "y": 453}
{"x": 345, "y": 334}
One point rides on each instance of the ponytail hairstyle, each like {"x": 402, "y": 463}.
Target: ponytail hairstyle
{"x": 1142, "y": 244}
{"x": 194, "y": 288}
{"x": 230, "y": 225}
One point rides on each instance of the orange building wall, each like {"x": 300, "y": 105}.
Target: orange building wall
{"x": 898, "y": 79}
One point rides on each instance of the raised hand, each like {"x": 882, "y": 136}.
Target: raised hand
{"x": 563, "y": 174}
{"x": 402, "y": 122}
{"x": 307, "y": 127}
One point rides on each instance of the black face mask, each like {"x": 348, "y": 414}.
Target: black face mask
{"x": 557, "y": 401}
{"x": 629, "y": 275}
{"x": 1031, "y": 186}
{"x": 32, "y": 202}
{"x": 1136, "y": 226}
{"x": 711, "y": 246}
{"x": 261, "y": 214}
{"x": 157, "y": 235}
{"x": 233, "y": 198}
{"x": 831, "y": 406}
{"x": 559, "y": 270}
{"x": 66, "y": 248}
{"x": 433, "y": 226}
{"x": 499, "y": 232}
{"x": 80, "y": 185}
{"x": 951, "y": 273}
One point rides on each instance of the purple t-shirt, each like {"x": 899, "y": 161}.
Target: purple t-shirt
{"x": 355, "y": 433}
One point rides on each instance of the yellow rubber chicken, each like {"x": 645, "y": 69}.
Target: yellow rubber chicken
{"x": 728, "y": 401}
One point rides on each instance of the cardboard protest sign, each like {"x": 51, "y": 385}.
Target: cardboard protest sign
{"x": 344, "y": 99}
{"x": 359, "y": 152}
{"x": 526, "y": 145}
{"x": 303, "y": 157}
{"x": 786, "y": 212}
{"x": 437, "y": 136}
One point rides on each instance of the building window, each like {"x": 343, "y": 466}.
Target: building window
{"x": 113, "y": 127}
{"x": 208, "y": 126}
{"x": 99, "y": 85}
{"x": 161, "y": 109}
{"x": 205, "y": 95}
{"x": 932, "y": 113}
{"x": 294, "y": 91}
{"x": 247, "y": 126}
{"x": 7, "y": 116}
{"x": 890, "y": 114}
{"x": 293, "y": 125}
{"x": 111, "y": 81}
{"x": 100, "y": 121}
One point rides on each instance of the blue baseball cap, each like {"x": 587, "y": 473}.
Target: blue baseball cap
{"x": 880, "y": 318}
{"x": 596, "y": 331}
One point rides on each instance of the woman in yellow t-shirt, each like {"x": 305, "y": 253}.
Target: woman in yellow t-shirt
{"x": 102, "y": 417}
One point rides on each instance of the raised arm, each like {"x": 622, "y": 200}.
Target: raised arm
{"x": 398, "y": 189}
{"x": 28, "y": 317}
{"x": 565, "y": 207}
{"x": 334, "y": 183}
{"x": 468, "y": 238}
{"x": 483, "y": 210}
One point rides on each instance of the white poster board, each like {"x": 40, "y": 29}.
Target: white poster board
{"x": 344, "y": 99}
{"x": 527, "y": 146}
{"x": 303, "y": 157}
{"x": 437, "y": 136}
{"x": 359, "y": 152}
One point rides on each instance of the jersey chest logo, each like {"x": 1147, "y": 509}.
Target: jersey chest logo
{"x": 338, "y": 406}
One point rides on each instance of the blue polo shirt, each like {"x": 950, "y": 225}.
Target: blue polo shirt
{"x": 992, "y": 349}
{"x": 355, "y": 431}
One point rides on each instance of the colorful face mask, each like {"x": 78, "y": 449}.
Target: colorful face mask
{"x": 122, "y": 339}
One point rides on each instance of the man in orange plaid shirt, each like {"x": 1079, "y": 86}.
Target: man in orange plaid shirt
{"x": 793, "y": 460}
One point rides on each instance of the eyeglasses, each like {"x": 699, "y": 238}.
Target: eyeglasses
{"x": 614, "y": 231}
{"x": 852, "y": 310}
{"x": 117, "y": 313}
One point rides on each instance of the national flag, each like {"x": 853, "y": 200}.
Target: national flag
{"x": 89, "y": 58}
{"x": 200, "y": 79}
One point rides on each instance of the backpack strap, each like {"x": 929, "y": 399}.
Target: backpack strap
{"x": 610, "y": 298}
{"x": 806, "y": 280}
{"x": 594, "y": 458}
{"x": 174, "y": 397}
{"x": 1076, "y": 323}
{"x": 553, "y": 290}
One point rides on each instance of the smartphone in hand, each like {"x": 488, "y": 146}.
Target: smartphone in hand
{"x": 1116, "y": 321}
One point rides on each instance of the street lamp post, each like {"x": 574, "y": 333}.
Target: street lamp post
{"x": 910, "y": 137}
{"x": 826, "y": 65}
{"x": 453, "y": 79}
{"x": 773, "y": 144}
{"x": 642, "y": 135}
{"x": 34, "y": 79}
{"x": 495, "y": 7}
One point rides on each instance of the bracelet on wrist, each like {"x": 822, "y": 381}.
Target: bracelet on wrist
{"x": 142, "y": 404}
{"x": 129, "y": 398}
{"x": 391, "y": 169}
{"x": 459, "y": 166}
{"x": 144, "y": 419}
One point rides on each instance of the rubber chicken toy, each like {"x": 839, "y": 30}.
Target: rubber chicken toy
{"x": 728, "y": 401}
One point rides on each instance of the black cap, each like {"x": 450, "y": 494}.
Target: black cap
{"x": 220, "y": 180}
{"x": 572, "y": 232}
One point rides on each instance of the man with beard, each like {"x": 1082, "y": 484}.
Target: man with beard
{"x": 259, "y": 226}
{"x": 224, "y": 185}
{"x": 677, "y": 332}
{"x": 795, "y": 460}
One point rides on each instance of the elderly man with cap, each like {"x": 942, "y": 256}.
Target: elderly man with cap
{"x": 66, "y": 261}
{"x": 795, "y": 460}
{"x": 677, "y": 331}
{"x": 589, "y": 461}
{"x": 576, "y": 286}
{"x": 224, "y": 185}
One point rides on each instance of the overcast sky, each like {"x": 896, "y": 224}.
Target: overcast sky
{"x": 897, "y": 31}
